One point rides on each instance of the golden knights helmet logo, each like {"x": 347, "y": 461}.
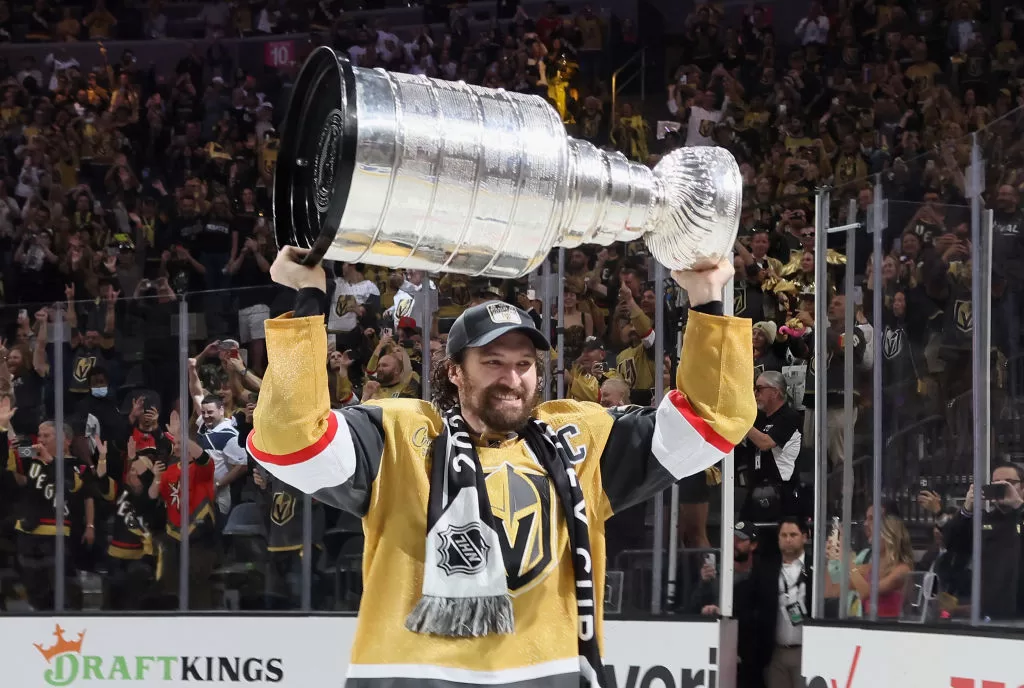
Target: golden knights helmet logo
{"x": 403, "y": 308}
{"x": 892, "y": 342}
{"x": 82, "y": 367}
{"x": 521, "y": 502}
{"x": 627, "y": 369}
{"x": 283, "y": 509}
{"x": 963, "y": 315}
{"x": 346, "y": 303}
{"x": 739, "y": 298}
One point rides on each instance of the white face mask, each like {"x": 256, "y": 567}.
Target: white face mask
{"x": 99, "y": 392}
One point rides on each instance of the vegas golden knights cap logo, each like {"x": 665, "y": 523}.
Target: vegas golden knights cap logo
{"x": 964, "y": 315}
{"x": 504, "y": 314}
{"x": 521, "y": 499}
{"x": 283, "y": 508}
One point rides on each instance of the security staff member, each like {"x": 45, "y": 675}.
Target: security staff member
{"x": 782, "y": 597}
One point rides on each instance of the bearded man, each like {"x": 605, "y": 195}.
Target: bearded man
{"x": 484, "y": 511}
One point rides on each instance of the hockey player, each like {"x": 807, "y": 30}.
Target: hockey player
{"x": 484, "y": 511}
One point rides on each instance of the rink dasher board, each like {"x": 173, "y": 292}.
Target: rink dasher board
{"x": 860, "y": 656}
{"x": 290, "y": 651}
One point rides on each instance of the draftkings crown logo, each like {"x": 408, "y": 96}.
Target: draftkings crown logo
{"x": 67, "y": 664}
{"x": 62, "y": 645}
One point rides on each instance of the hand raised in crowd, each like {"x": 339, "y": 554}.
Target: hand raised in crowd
{"x": 209, "y": 351}
{"x": 370, "y": 388}
{"x": 7, "y": 411}
{"x": 138, "y": 408}
{"x": 151, "y": 416}
{"x": 626, "y": 295}
{"x": 339, "y": 360}
{"x": 130, "y": 450}
{"x": 42, "y": 454}
{"x": 1011, "y": 498}
{"x": 707, "y": 572}
{"x": 101, "y": 462}
{"x": 930, "y": 502}
{"x": 174, "y": 423}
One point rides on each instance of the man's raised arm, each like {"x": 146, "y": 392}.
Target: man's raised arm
{"x": 333, "y": 455}
{"x": 699, "y": 422}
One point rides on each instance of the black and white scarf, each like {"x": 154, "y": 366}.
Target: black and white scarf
{"x": 465, "y": 589}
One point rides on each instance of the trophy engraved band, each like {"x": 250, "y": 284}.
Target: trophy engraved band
{"x": 404, "y": 171}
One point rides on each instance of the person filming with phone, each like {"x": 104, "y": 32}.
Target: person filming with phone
{"x": 1001, "y": 550}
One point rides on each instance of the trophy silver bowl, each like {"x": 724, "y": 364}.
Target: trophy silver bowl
{"x": 404, "y": 171}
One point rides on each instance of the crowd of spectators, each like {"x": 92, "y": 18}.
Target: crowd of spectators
{"x": 125, "y": 192}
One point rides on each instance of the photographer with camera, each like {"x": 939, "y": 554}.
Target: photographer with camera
{"x": 1001, "y": 550}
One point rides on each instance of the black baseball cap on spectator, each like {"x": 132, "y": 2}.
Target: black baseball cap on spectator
{"x": 482, "y": 324}
{"x": 745, "y": 530}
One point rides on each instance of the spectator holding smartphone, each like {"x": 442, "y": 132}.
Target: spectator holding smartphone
{"x": 1001, "y": 553}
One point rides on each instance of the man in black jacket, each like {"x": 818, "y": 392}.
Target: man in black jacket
{"x": 750, "y": 672}
{"x": 1001, "y": 551}
{"x": 781, "y": 597}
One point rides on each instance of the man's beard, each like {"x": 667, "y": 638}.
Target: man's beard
{"x": 741, "y": 557}
{"x": 388, "y": 380}
{"x": 483, "y": 401}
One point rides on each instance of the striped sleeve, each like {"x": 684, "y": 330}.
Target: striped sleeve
{"x": 330, "y": 454}
{"x": 695, "y": 426}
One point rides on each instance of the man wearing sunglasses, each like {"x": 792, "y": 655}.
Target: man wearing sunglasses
{"x": 770, "y": 451}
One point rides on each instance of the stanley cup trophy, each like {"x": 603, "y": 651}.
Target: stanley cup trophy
{"x": 404, "y": 171}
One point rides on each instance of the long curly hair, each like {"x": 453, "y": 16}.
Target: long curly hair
{"x": 444, "y": 395}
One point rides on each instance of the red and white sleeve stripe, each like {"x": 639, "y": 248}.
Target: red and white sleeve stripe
{"x": 684, "y": 443}
{"x": 328, "y": 462}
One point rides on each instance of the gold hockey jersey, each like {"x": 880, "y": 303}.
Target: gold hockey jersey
{"x": 374, "y": 460}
